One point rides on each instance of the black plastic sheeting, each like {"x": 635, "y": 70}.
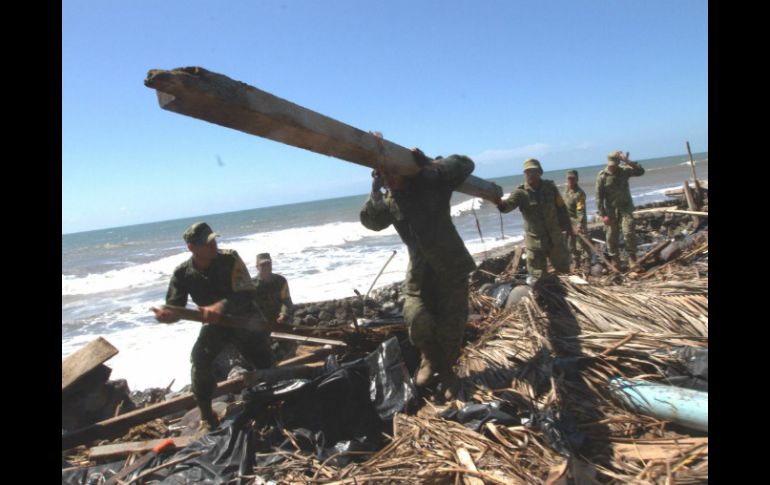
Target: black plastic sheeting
{"x": 476, "y": 415}
{"x": 559, "y": 430}
{"x": 344, "y": 410}
{"x": 692, "y": 369}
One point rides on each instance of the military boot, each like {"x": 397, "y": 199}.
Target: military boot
{"x": 615, "y": 262}
{"x": 209, "y": 419}
{"x": 632, "y": 264}
{"x": 450, "y": 384}
{"x": 425, "y": 375}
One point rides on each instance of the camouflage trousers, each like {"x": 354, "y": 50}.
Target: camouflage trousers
{"x": 253, "y": 346}
{"x": 576, "y": 247}
{"x": 556, "y": 251}
{"x": 436, "y": 318}
{"x": 621, "y": 219}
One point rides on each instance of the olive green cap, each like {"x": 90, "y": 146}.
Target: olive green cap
{"x": 199, "y": 234}
{"x": 532, "y": 163}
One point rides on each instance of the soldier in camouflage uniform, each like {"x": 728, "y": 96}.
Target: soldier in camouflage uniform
{"x": 545, "y": 217}
{"x": 273, "y": 296}
{"x": 575, "y": 198}
{"x": 436, "y": 286}
{"x": 615, "y": 206}
{"x": 219, "y": 283}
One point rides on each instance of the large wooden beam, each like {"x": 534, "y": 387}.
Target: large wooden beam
{"x": 206, "y": 95}
{"x": 85, "y": 360}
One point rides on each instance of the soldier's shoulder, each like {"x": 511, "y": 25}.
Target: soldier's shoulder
{"x": 281, "y": 278}
{"x": 229, "y": 253}
{"x": 183, "y": 266}
{"x": 550, "y": 184}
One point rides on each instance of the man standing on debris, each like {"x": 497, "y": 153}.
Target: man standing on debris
{"x": 436, "y": 306}
{"x": 575, "y": 198}
{"x": 273, "y": 296}
{"x": 219, "y": 283}
{"x": 545, "y": 217}
{"x": 615, "y": 206}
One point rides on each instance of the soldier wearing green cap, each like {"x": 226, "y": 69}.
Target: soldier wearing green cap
{"x": 545, "y": 217}
{"x": 575, "y": 198}
{"x": 273, "y": 296}
{"x": 219, "y": 283}
{"x": 436, "y": 286}
{"x": 615, "y": 206}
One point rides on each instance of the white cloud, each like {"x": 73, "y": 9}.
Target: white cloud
{"x": 584, "y": 146}
{"x": 509, "y": 154}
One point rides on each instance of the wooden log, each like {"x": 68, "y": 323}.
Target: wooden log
{"x": 118, "y": 450}
{"x": 691, "y": 204}
{"x": 114, "y": 427}
{"x": 85, "y": 360}
{"x": 694, "y": 178}
{"x": 202, "y": 94}
{"x": 654, "y": 251}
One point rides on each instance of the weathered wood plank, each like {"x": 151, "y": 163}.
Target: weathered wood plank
{"x": 118, "y": 450}
{"x": 202, "y": 94}
{"x": 85, "y": 360}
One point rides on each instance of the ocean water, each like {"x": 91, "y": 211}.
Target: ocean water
{"x": 111, "y": 277}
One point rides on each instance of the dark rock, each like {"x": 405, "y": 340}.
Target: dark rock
{"x": 310, "y": 320}
{"x": 325, "y": 316}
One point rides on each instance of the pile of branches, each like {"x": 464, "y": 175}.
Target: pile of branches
{"x": 550, "y": 358}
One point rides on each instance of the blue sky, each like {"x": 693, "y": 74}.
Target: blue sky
{"x": 499, "y": 81}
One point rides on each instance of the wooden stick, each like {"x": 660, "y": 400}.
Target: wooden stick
{"x": 694, "y": 178}
{"x": 513, "y": 266}
{"x": 654, "y": 251}
{"x": 691, "y": 204}
{"x": 122, "y": 449}
{"x": 291, "y": 333}
{"x": 206, "y": 95}
{"x": 464, "y": 458}
{"x": 598, "y": 253}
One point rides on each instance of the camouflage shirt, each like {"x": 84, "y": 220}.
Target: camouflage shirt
{"x": 612, "y": 190}
{"x": 544, "y": 211}
{"x": 273, "y": 297}
{"x": 420, "y": 213}
{"x": 226, "y": 279}
{"x": 576, "y": 206}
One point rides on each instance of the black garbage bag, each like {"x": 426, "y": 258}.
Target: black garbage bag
{"x": 345, "y": 409}
{"x": 475, "y": 415}
{"x": 691, "y": 368}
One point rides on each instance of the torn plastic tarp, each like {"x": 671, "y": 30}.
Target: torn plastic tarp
{"x": 559, "y": 430}
{"x": 475, "y": 415}
{"x": 343, "y": 410}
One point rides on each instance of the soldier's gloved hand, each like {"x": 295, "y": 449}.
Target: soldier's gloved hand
{"x": 213, "y": 313}
{"x": 164, "y": 316}
{"x": 606, "y": 220}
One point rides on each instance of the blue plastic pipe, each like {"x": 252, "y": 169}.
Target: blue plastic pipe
{"x": 687, "y": 407}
